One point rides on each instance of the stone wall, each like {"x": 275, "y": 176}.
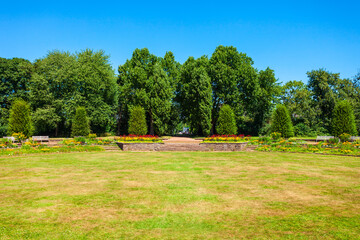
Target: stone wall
{"x": 140, "y": 146}
{"x": 225, "y": 147}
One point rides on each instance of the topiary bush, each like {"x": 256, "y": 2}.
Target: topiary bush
{"x": 20, "y": 118}
{"x": 343, "y": 119}
{"x": 226, "y": 124}
{"x": 281, "y": 122}
{"x": 137, "y": 121}
{"x": 80, "y": 124}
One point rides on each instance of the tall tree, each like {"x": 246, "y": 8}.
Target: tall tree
{"x": 237, "y": 83}
{"x": 142, "y": 81}
{"x": 15, "y": 76}
{"x": 64, "y": 81}
{"x": 298, "y": 100}
{"x": 268, "y": 94}
{"x": 324, "y": 86}
{"x": 195, "y": 95}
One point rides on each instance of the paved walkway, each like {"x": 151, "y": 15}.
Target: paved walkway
{"x": 186, "y": 140}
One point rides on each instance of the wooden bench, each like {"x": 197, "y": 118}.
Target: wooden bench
{"x": 12, "y": 139}
{"x": 323, "y": 138}
{"x": 354, "y": 138}
{"x": 41, "y": 138}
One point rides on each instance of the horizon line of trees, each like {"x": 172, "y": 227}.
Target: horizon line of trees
{"x": 172, "y": 95}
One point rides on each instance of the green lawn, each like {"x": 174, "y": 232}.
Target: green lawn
{"x": 156, "y": 195}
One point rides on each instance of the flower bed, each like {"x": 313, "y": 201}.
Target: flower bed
{"x": 344, "y": 148}
{"x": 138, "y": 139}
{"x": 28, "y": 149}
{"x": 226, "y": 139}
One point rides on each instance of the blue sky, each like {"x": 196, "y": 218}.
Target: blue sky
{"x": 291, "y": 37}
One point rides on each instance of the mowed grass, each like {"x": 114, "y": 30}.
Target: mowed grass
{"x": 183, "y": 195}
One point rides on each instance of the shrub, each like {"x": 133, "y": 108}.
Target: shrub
{"x": 343, "y": 119}
{"x": 137, "y": 121}
{"x": 275, "y": 135}
{"x": 92, "y": 136}
{"x": 80, "y": 125}
{"x": 333, "y": 140}
{"x": 345, "y": 137}
{"x": 20, "y": 118}
{"x": 19, "y": 137}
{"x": 226, "y": 124}
{"x": 281, "y": 122}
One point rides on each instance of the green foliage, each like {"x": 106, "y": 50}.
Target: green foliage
{"x": 143, "y": 81}
{"x": 281, "y": 122}
{"x": 226, "y": 124}
{"x": 325, "y": 87}
{"x": 45, "y": 120}
{"x": 80, "y": 124}
{"x": 137, "y": 121}
{"x": 63, "y": 81}
{"x": 302, "y": 130}
{"x": 20, "y": 118}
{"x": 19, "y": 137}
{"x": 15, "y": 77}
{"x": 194, "y": 95}
{"x": 298, "y": 100}
{"x": 275, "y": 135}
{"x": 343, "y": 120}
{"x": 345, "y": 137}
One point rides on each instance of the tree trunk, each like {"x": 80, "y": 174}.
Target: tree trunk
{"x": 151, "y": 131}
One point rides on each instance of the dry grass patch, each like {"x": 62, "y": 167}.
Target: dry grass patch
{"x": 116, "y": 195}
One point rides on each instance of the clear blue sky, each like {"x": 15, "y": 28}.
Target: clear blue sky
{"x": 291, "y": 37}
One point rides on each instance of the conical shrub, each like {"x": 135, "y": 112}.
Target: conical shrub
{"x": 137, "y": 121}
{"x": 281, "y": 122}
{"x": 226, "y": 124}
{"x": 343, "y": 119}
{"x": 80, "y": 124}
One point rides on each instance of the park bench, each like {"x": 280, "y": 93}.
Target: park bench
{"x": 323, "y": 138}
{"x": 10, "y": 138}
{"x": 40, "y": 138}
{"x": 354, "y": 138}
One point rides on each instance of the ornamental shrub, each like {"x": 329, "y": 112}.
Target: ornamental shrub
{"x": 20, "y": 118}
{"x": 137, "y": 121}
{"x": 343, "y": 119}
{"x": 226, "y": 124}
{"x": 281, "y": 122}
{"x": 80, "y": 124}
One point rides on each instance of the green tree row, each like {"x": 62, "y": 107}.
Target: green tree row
{"x": 171, "y": 94}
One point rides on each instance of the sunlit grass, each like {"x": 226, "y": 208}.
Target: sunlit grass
{"x": 179, "y": 195}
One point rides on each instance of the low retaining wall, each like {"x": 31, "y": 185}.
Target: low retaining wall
{"x": 139, "y": 146}
{"x": 225, "y": 147}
